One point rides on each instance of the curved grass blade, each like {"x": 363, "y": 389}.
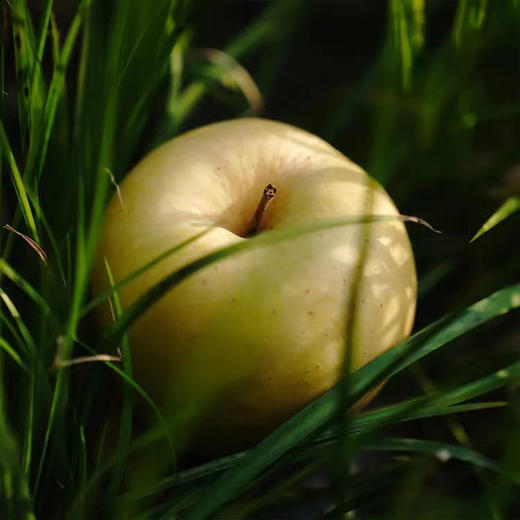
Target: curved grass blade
{"x": 19, "y": 186}
{"x": 113, "y": 336}
{"x": 13, "y": 354}
{"x": 13, "y": 331}
{"x": 24, "y": 54}
{"x": 442, "y": 451}
{"x": 100, "y": 298}
{"x": 211, "y": 469}
{"x": 24, "y": 331}
{"x": 37, "y": 92}
{"x": 315, "y": 449}
{"x": 30, "y": 241}
{"x": 419, "y": 408}
{"x": 150, "y": 402}
{"x": 26, "y": 287}
{"x": 230, "y": 73}
{"x": 44, "y": 25}
{"x": 35, "y": 362}
{"x": 56, "y": 87}
{"x": 320, "y": 411}
{"x": 265, "y": 28}
{"x": 185, "y": 477}
{"x": 248, "y": 508}
{"x": 125, "y": 428}
{"x": 29, "y": 422}
{"x": 403, "y": 412}
{"x": 102, "y": 470}
{"x": 59, "y": 394}
{"x": 171, "y": 37}
{"x": 139, "y": 40}
{"x": 441, "y": 403}
{"x": 510, "y": 206}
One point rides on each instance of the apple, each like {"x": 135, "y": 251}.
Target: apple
{"x": 244, "y": 343}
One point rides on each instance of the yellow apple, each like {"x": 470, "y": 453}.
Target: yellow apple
{"x": 244, "y": 343}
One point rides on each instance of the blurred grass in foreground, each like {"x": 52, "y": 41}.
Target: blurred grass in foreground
{"x": 435, "y": 117}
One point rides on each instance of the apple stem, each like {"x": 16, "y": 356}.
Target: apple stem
{"x": 267, "y": 197}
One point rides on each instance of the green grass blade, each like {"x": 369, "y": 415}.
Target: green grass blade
{"x": 402, "y": 40}
{"x": 130, "y": 381}
{"x": 125, "y": 428}
{"x": 57, "y": 86}
{"x": 82, "y": 71}
{"x": 26, "y": 287}
{"x": 469, "y": 18}
{"x": 359, "y": 424}
{"x": 25, "y": 54}
{"x": 185, "y": 477}
{"x": 101, "y": 470}
{"x": 442, "y": 451}
{"x": 44, "y": 26}
{"x": 29, "y": 423}
{"x": 100, "y": 298}
{"x": 420, "y": 408}
{"x": 81, "y": 275}
{"x": 14, "y": 489}
{"x": 93, "y": 173}
{"x": 151, "y": 34}
{"x": 113, "y": 336}
{"x": 24, "y": 331}
{"x": 510, "y": 206}
{"x": 268, "y": 26}
{"x": 36, "y": 365}
{"x": 423, "y": 409}
{"x": 320, "y": 411}
{"x": 14, "y": 332}
{"x": 19, "y": 186}
{"x": 37, "y": 92}
{"x": 13, "y": 354}
{"x": 440, "y": 403}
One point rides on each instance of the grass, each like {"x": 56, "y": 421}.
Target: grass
{"x": 88, "y": 92}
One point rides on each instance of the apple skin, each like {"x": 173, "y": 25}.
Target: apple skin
{"x": 244, "y": 343}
